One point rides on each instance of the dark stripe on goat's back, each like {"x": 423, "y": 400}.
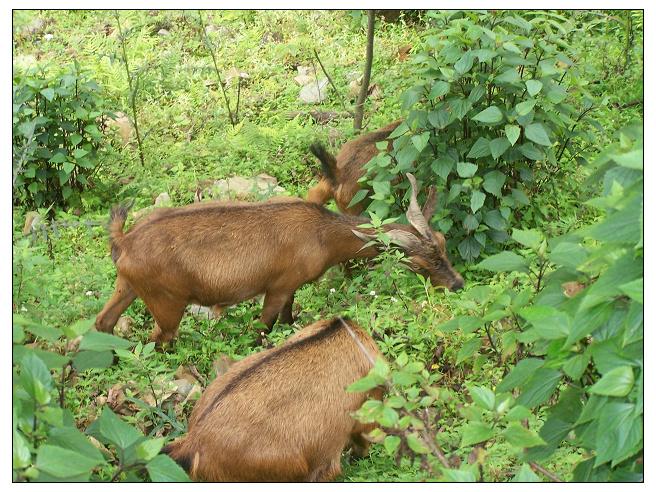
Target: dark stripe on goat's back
{"x": 224, "y": 208}
{"x": 331, "y": 329}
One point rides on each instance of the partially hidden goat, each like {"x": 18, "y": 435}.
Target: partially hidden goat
{"x": 340, "y": 174}
{"x": 221, "y": 253}
{"x": 283, "y": 414}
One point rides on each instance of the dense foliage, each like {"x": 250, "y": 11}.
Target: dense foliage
{"x": 498, "y": 111}
{"x": 534, "y": 371}
{"x": 57, "y": 134}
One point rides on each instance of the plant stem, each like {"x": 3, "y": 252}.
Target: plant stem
{"x": 545, "y": 472}
{"x": 210, "y": 48}
{"x": 359, "y": 105}
{"x": 341, "y": 99}
{"x": 133, "y": 91}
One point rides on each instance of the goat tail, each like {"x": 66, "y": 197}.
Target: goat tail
{"x": 180, "y": 454}
{"x": 117, "y": 219}
{"x": 328, "y": 161}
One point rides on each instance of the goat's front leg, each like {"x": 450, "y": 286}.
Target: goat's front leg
{"x": 274, "y": 303}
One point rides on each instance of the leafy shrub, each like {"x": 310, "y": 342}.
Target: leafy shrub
{"x": 56, "y": 135}
{"x": 570, "y": 315}
{"x": 491, "y": 119}
{"x": 47, "y": 445}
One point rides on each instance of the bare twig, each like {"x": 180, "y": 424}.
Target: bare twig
{"x": 341, "y": 99}
{"x": 210, "y": 48}
{"x": 133, "y": 90}
{"x": 545, "y": 472}
{"x": 359, "y": 105}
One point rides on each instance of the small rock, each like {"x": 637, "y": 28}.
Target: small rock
{"x": 354, "y": 87}
{"x": 116, "y": 396}
{"x": 183, "y": 387}
{"x": 163, "y": 32}
{"x": 35, "y": 26}
{"x": 314, "y": 92}
{"x": 32, "y": 222}
{"x": 305, "y": 75}
{"x": 404, "y": 52}
{"x": 48, "y": 36}
{"x": 235, "y": 73}
{"x": 240, "y": 187}
{"x": 184, "y": 373}
{"x": 353, "y": 75}
{"x": 123, "y": 327}
{"x": 163, "y": 200}
{"x": 126, "y": 180}
{"x": 375, "y": 92}
{"x": 204, "y": 311}
{"x": 121, "y": 123}
{"x": 271, "y": 37}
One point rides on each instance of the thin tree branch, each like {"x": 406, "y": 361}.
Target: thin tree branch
{"x": 341, "y": 99}
{"x": 364, "y": 90}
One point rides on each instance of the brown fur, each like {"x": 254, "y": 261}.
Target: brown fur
{"x": 341, "y": 173}
{"x": 222, "y": 253}
{"x": 282, "y": 414}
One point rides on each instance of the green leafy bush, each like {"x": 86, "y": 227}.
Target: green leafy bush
{"x": 56, "y": 135}
{"x": 493, "y": 114}
{"x": 570, "y": 317}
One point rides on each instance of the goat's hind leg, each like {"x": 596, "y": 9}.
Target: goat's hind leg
{"x": 123, "y": 296}
{"x": 167, "y": 313}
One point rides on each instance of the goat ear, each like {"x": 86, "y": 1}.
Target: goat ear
{"x": 405, "y": 239}
{"x": 429, "y": 207}
{"x": 414, "y": 214}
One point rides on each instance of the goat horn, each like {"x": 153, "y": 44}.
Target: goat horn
{"x": 414, "y": 215}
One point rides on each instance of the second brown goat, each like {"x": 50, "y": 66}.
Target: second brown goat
{"x": 283, "y": 414}
{"x": 342, "y": 172}
{"x": 219, "y": 254}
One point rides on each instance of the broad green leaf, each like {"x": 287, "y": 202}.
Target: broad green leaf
{"x": 115, "y": 430}
{"x": 63, "y": 463}
{"x": 482, "y": 396}
{"x": 466, "y": 169}
{"x": 490, "y": 115}
{"x": 443, "y": 166}
{"x": 416, "y": 444}
{"x": 634, "y": 289}
{"x": 519, "y": 374}
{"x": 48, "y": 93}
{"x": 550, "y": 322}
{"x": 525, "y": 474}
{"x": 470, "y": 223}
{"x": 525, "y": 107}
{"x": 71, "y": 438}
{"x": 531, "y": 238}
{"x": 493, "y": 219}
{"x": 506, "y": 261}
{"x": 498, "y": 146}
{"x": 75, "y": 139}
{"x": 391, "y": 444}
{"x": 469, "y": 248}
{"x": 567, "y": 254}
{"x": 465, "y": 63}
{"x": 469, "y": 348}
{"x": 576, "y": 365}
{"x": 512, "y": 133}
{"x": 439, "y": 89}
{"x": 519, "y": 436}
{"x": 533, "y": 86}
{"x": 481, "y": 148}
{"x": 539, "y": 388}
{"x": 619, "y": 434}
{"x": 358, "y": 197}
{"x": 50, "y": 359}
{"x": 518, "y": 412}
{"x": 420, "y": 141}
{"x": 21, "y": 456}
{"x": 35, "y": 378}
{"x": 454, "y": 475}
{"x": 617, "y": 382}
{"x": 164, "y": 469}
{"x": 368, "y": 382}
{"x": 78, "y": 328}
{"x": 98, "y": 341}
{"x": 79, "y": 153}
{"x": 475, "y": 432}
{"x": 632, "y": 160}
{"x": 477, "y": 200}
{"x": 147, "y": 450}
{"x": 536, "y": 133}
{"x": 493, "y": 182}
{"x": 92, "y": 359}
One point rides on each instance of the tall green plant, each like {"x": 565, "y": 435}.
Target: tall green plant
{"x": 56, "y": 135}
{"x": 495, "y": 113}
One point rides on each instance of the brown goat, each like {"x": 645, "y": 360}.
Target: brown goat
{"x": 222, "y": 253}
{"x": 283, "y": 414}
{"x": 341, "y": 173}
